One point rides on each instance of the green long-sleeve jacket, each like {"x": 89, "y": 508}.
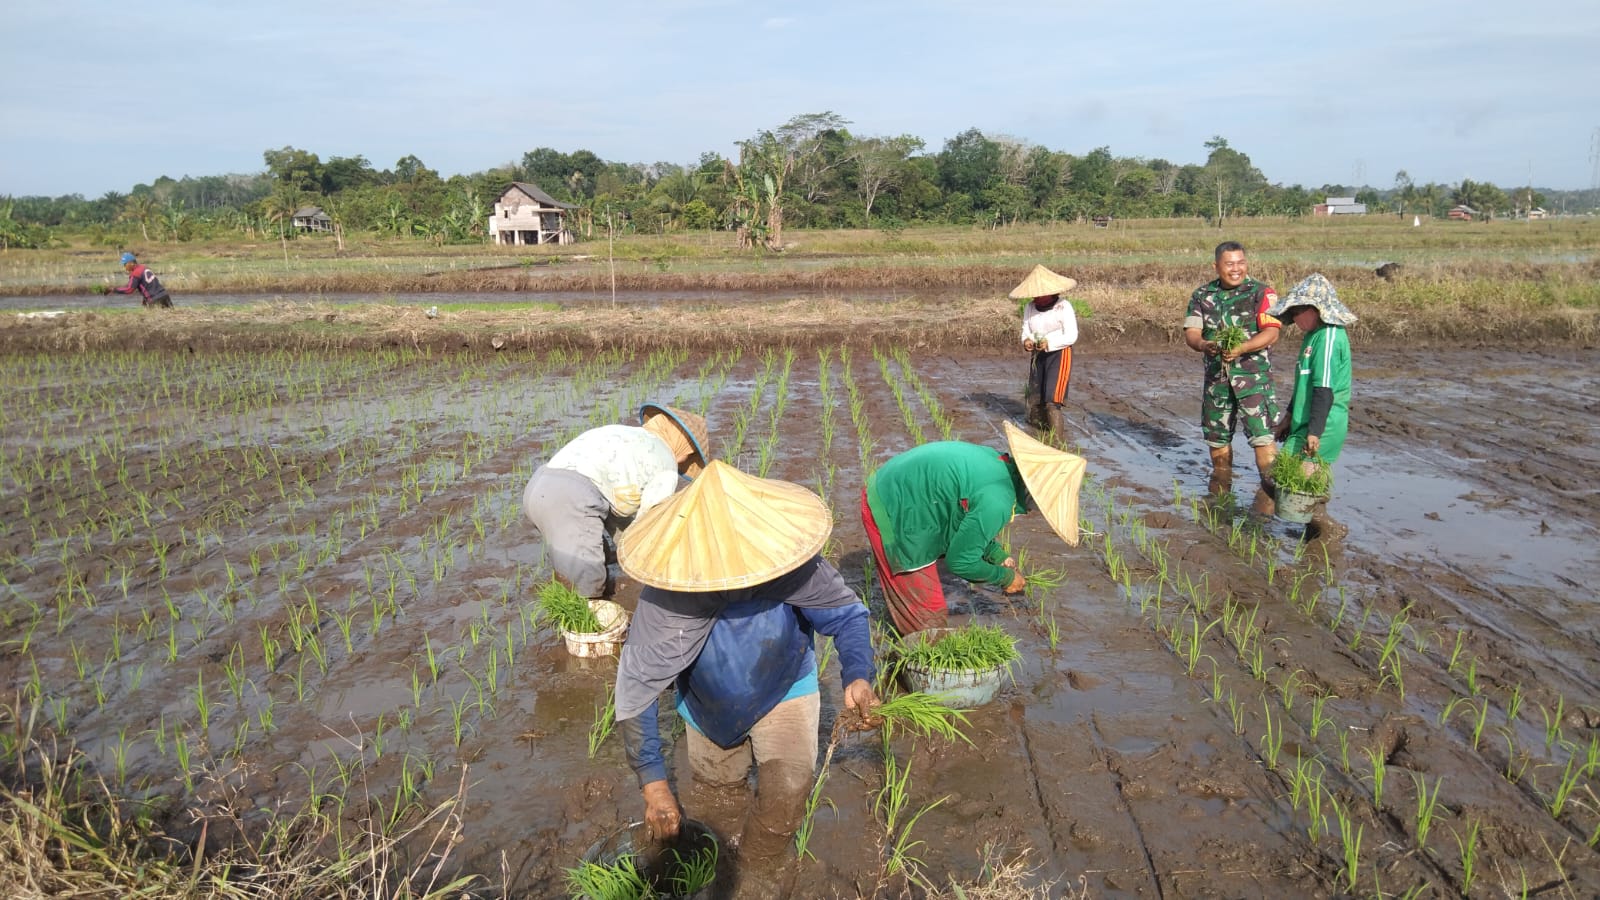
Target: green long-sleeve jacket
{"x": 949, "y": 499}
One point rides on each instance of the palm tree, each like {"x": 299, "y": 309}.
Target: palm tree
{"x": 139, "y": 208}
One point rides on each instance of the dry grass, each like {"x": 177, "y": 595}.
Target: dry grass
{"x": 64, "y": 833}
{"x": 1423, "y": 313}
{"x": 1003, "y": 879}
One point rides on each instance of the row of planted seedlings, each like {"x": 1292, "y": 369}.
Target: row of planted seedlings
{"x": 916, "y": 715}
{"x": 1181, "y": 607}
{"x": 295, "y": 646}
{"x": 1553, "y": 770}
{"x": 81, "y": 486}
{"x": 236, "y": 589}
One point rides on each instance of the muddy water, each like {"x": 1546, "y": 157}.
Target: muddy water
{"x": 387, "y": 489}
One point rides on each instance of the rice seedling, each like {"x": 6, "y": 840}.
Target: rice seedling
{"x": 1350, "y": 841}
{"x": 1455, "y": 653}
{"x": 1552, "y": 721}
{"x": 1468, "y": 848}
{"x": 1319, "y": 718}
{"x": 1315, "y": 823}
{"x": 1305, "y": 777}
{"x": 202, "y": 706}
{"x": 1188, "y": 643}
{"x": 802, "y": 835}
{"x": 1236, "y": 713}
{"x": 1380, "y": 767}
{"x": 1514, "y": 704}
{"x": 604, "y": 722}
{"x": 1427, "y": 806}
{"x": 900, "y": 851}
{"x": 1272, "y": 742}
{"x": 1565, "y": 786}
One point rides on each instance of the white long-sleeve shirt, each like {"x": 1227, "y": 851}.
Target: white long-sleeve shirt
{"x": 615, "y": 456}
{"x": 1058, "y": 324}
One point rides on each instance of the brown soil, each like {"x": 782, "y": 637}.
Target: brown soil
{"x": 313, "y": 487}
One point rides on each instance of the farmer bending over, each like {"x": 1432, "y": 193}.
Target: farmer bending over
{"x": 1049, "y": 329}
{"x": 1238, "y": 381}
{"x": 143, "y": 282}
{"x": 734, "y": 592}
{"x": 949, "y": 500}
{"x": 1319, "y": 411}
{"x": 597, "y": 483}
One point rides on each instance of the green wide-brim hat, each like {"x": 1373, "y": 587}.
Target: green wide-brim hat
{"x": 1317, "y": 292}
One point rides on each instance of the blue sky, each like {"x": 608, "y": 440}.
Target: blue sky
{"x": 101, "y": 96}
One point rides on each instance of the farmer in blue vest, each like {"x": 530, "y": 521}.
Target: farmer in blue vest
{"x": 735, "y": 592}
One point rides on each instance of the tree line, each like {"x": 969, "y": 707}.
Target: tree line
{"x": 810, "y": 172}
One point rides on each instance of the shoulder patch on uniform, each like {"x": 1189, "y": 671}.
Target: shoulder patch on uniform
{"x": 1272, "y": 296}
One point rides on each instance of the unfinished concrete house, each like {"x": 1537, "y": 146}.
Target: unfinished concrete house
{"x": 524, "y": 214}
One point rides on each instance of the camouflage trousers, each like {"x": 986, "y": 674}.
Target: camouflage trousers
{"x": 1243, "y": 398}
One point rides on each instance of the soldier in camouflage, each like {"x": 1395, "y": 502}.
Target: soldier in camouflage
{"x": 1238, "y": 381}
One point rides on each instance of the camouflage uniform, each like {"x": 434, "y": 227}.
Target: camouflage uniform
{"x": 1241, "y": 389}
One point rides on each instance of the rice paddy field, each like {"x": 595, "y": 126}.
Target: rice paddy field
{"x": 269, "y": 600}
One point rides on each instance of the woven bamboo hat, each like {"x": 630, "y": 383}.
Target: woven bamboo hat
{"x": 1042, "y": 282}
{"x": 725, "y": 530}
{"x": 690, "y": 426}
{"x": 1053, "y": 478}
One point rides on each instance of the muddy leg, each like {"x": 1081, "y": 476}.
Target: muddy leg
{"x": 785, "y": 747}
{"x": 1057, "y": 415}
{"x": 1221, "y": 471}
{"x": 1265, "y": 503}
{"x": 718, "y": 792}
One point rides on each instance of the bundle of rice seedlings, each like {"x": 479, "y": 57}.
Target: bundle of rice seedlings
{"x": 1301, "y": 473}
{"x": 567, "y": 609}
{"x": 1231, "y": 337}
{"x": 618, "y": 881}
{"x": 973, "y": 648}
{"x": 923, "y": 714}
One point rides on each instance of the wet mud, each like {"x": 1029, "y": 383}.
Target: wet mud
{"x": 1209, "y": 705}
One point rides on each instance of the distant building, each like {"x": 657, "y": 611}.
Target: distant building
{"x": 1340, "y": 206}
{"x": 1538, "y": 212}
{"x": 1462, "y": 212}
{"x": 311, "y": 218}
{"x": 524, "y": 214}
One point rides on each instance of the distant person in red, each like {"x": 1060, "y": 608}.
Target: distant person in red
{"x": 143, "y": 282}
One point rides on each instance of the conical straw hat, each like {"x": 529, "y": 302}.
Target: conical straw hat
{"x": 725, "y": 530}
{"x": 1042, "y": 282}
{"x": 1053, "y": 478}
{"x": 692, "y": 426}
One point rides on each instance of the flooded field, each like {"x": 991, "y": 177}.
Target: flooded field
{"x": 258, "y": 580}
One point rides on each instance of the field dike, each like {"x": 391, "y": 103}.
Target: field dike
{"x": 1109, "y": 319}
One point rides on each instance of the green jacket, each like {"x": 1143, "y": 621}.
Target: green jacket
{"x": 949, "y": 499}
